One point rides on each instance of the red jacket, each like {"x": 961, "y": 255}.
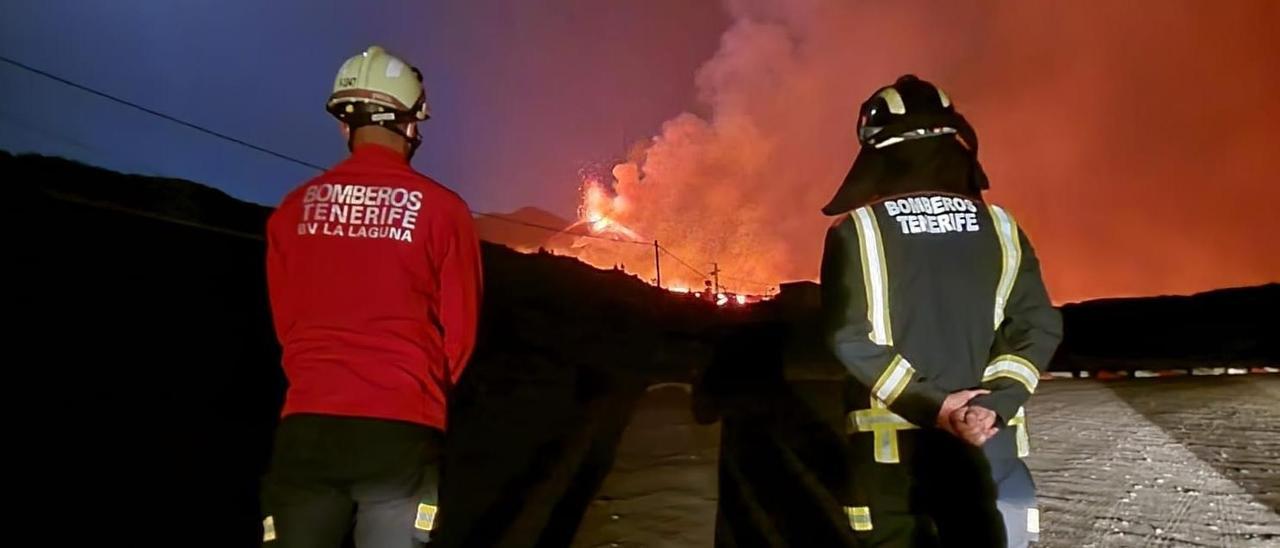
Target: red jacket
{"x": 374, "y": 275}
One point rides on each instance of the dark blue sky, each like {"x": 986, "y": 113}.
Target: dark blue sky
{"x": 524, "y": 94}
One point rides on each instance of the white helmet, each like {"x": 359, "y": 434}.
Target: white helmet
{"x": 378, "y": 88}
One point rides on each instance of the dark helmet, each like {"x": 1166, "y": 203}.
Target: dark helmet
{"x": 909, "y": 109}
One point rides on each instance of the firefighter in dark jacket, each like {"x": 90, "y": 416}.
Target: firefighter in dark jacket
{"x": 934, "y": 302}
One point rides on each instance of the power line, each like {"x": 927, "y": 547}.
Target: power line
{"x": 154, "y": 216}
{"x": 661, "y": 247}
{"x": 682, "y": 261}
{"x": 706, "y": 276}
{"x": 558, "y": 230}
{"x": 157, "y": 113}
{"x": 318, "y": 168}
{"x": 748, "y": 282}
{"x": 241, "y": 142}
{"x": 46, "y": 133}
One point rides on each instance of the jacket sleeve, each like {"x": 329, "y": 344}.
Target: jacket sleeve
{"x": 461, "y": 285}
{"x": 1025, "y": 340}
{"x": 865, "y": 351}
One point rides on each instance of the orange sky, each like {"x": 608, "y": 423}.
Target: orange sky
{"x": 1133, "y": 140}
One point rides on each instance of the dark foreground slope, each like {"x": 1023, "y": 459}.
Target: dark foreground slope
{"x": 145, "y": 376}
{"x": 155, "y": 372}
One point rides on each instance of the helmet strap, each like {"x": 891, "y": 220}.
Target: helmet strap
{"x": 415, "y": 140}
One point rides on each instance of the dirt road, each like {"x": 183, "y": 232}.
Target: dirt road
{"x": 1191, "y": 461}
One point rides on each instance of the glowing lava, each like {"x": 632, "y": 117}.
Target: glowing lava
{"x": 598, "y": 210}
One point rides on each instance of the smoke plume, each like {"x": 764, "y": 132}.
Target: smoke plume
{"x": 1131, "y": 139}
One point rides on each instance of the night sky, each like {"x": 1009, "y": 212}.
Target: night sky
{"x": 524, "y": 94}
{"x": 1135, "y": 140}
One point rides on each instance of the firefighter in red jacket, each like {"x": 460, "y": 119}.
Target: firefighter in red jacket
{"x": 374, "y": 276}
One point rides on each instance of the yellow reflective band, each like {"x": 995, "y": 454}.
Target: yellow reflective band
{"x": 1011, "y": 259}
{"x": 426, "y": 517}
{"x": 886, "y": 446}
{"x": 875, "y": 276}
{"x": 893, "y": 99}
{"x": 859, "y": 517}
{"x": 867, "y": 420}
{"x": 269, "y": 529}
{"x": 1019, "y": 422}
{"x": 1013, "y": 367}
{"x": 893, "y": 380}
{"x": 884, "y": 426}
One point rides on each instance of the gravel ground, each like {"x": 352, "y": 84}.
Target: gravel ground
{"x": 1189, "y": 461}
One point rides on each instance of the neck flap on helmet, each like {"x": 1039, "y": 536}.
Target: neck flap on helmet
{"x": 945, "y": 161}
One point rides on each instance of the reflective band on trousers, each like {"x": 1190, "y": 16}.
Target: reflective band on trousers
{"x": 426, "y": 519}
{"x": 859, "y": 517}
{"x": 1019, "y": 422}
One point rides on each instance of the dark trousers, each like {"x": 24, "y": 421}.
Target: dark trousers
{"x": 329, "y": 474}
{"x": 940, "y": 493}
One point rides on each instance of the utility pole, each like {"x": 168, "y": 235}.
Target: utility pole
{"x": 715, "y": 273}
{"x": 657, "y": 263}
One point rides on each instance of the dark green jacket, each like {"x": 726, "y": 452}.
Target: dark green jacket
{"x": 929, "y": 293}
